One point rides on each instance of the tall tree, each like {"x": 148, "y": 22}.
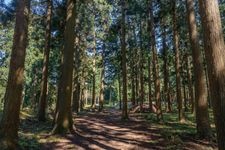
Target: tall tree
{"x": 215, "y": 59}
{"x": 44, "y": 82}
{"x": 141, "y": 68}
{"x": 165, "y": 64}
{"x": 102, "y": 77}
{"x": 124, "y": 61}
{"x": 190, "y": 85}
{"x": 177, "y": 61}
{"x": 93, "y": 102}
{"x": 155, "y": 61}
{"x": 13, "y": 95}
{"x": 201, "y": 103}
{"x": 63, "y": 120}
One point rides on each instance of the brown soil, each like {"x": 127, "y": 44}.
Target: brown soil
{"x": 106, "y": 131}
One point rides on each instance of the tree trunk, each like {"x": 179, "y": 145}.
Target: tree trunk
{"x": 63, "y": 121}
{"x": 93, "y": 102}
{"x": 155, "y": 62}
{"x": 102, "y": 77}
{"x": 201, "y": 104}
{"x": 165, "y": 66}
{"x": 141, "y": 69}
{"x": 190, "y": 87}
{"x": 177, "y": 63}
{"x": 215, "y": 58}
{"x": 119, "y": 90}
{"x": 124, "y": 62}
{"x": 133, "y": 92}
{"x": 13, "y": 95}
{"x": 149, "y": 84}
{"x": 44, "y": 82}
{"x": 77, "y": 83}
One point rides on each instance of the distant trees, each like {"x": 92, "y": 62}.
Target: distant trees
{"x": 113, "y": 50}
{"x": 13, "y": 95}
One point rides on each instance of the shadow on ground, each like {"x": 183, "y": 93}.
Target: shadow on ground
{"x": 106, "y": 131}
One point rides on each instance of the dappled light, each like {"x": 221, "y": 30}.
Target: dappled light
{"x": 112, "y": 75}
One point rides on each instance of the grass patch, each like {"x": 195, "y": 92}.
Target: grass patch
{"x": 173, "y": 131}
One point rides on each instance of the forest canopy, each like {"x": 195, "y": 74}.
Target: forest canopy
{"x": 148, "y": 63}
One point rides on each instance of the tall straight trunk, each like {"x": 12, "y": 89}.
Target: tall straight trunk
{"x": 190, "y": 87}
{"x": 155, "y": 62}
{"x": 13, "y": 95}
{"x": 215, "y": 59}
{"x": 201, "y": 103}
{"x": 76, "y": 96}
{"x": 124, "y": 62}
{"x": 165, "y": 66}
{"x": 133, "y": 68}
{"x": 141, "y": 69}
{"x": 77, "y": 91}
{"x": 93, "y": 102}
{"x": 177, "y": 63}
{"x": 102, "y": 77}
{"x": 119, "y": 92}
{"x": 149, "y": 84}
{"x": 82, "y": 95}
{"x": 137, "y": 85}
{"x": 44, "y": 82}
{"x": 207, "y": 83}
{"x": 133, "y": 92}
{"x": 185, "y": 97}
{"x": 63, "y": 120}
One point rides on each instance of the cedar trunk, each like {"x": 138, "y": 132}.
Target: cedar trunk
{"x": 177, "y": 63}
{"x": 155, "y": 62}
{"x": 165, "y": 67}
{"x": 215, "y": 59}
{"x": 93, "y": 102}
{"x": 102, "y": 77}
{"x": 124, "y": 62}
{"x": 141, "y": 68}
{"x": 13, "y": 95}
{"x": 63, "y": 120}
{"x": 201, "y": 103}
{"x": 44, "y": 82}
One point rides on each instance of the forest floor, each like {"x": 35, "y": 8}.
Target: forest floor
{"x": 106, "y": 130}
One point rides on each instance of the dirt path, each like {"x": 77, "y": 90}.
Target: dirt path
{"x": 106, "y": 131}
{"x": 97, "y": 131}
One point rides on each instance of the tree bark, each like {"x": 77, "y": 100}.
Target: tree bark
{"x": 93, "y": 102}
{"x": 63, "y": 121}
{"x": 177, "y": 63}
{"x": 190, "y": 86}
{"x": 44, "y": 82}
{"x": 141, "y": 69}
{"x": 102, "y": 77}
{"x": 119, "y": 92}
{"x": 215, "y": 59}
{"x": 124, "y": 62}
{"x": 165, "y": 66}
{"x": 201, "y": 103}
{"x": 149, "y": 84}
{"x": 155, "y": 62}
{"x": 13, "y": 95}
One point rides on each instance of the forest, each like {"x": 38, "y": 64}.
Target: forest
{"x": 112, "y": 74}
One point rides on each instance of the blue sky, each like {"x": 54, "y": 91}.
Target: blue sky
{"x": 7, "y": 1}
